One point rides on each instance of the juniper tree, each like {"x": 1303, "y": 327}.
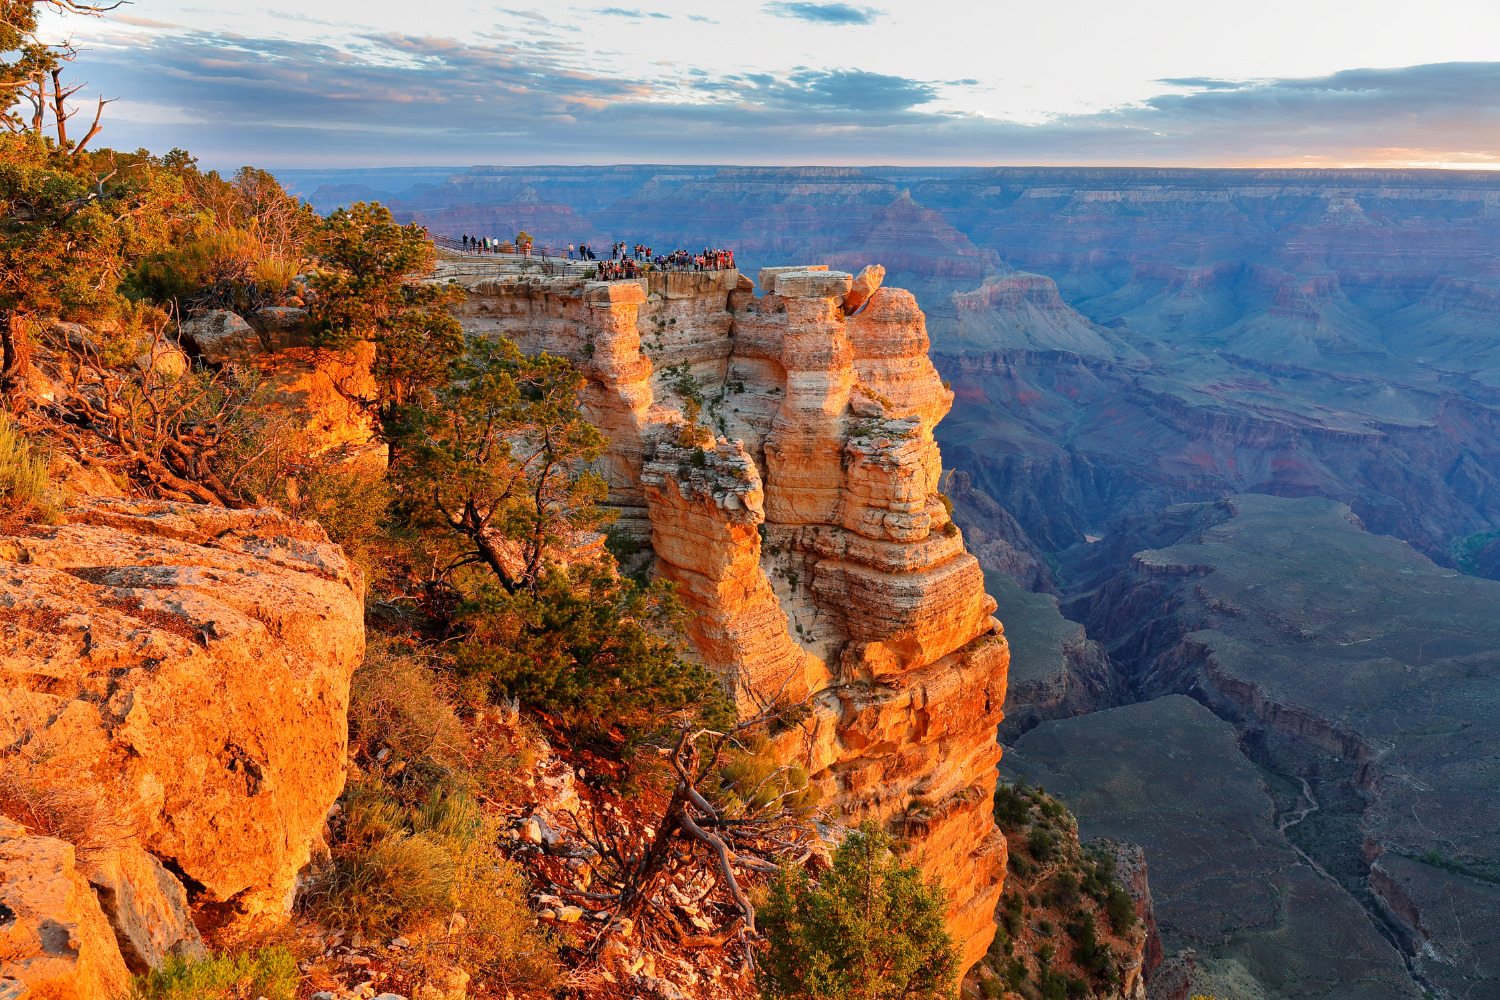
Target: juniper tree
{"x": 499, "y": 457}
{"x": 869, "y": 929}
{"x": 371, "y": 289}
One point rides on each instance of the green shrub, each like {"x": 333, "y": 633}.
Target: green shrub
{"x": 871, "y": 928}
{"x": 1121, "y": 909}
{"x": 588, "y": 647}
{"x": 1065, "y": 894}
{"x": 270, "y": 973}
{"x": 1041, "y": 844}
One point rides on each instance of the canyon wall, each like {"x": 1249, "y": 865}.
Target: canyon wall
{"x": 776, "y": 453}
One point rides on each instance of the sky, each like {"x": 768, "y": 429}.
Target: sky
{"x": 1175, "y": 82}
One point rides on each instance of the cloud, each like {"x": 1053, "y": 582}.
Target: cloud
{"x": 844, "y": 90}
{"x": 412, "y": 99}
{"x": 141, "y": 22}
{"x": 1202, "y": 83}
{"x": 636, "y": 14}
{"x": 823, "y": 13}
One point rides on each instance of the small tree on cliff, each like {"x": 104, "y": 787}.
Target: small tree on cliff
{"x": 499, "y": 459}
{"x": 370, "y": 290}
{"x": 870, "y": 929}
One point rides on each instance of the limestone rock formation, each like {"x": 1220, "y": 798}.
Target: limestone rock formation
{"x": 54, "y": 941}
{"x": 800, "y": 519}
{"x": 221, "y": 337}
{"x": 186, "y": 671}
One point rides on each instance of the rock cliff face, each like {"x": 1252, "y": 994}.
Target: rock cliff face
{"x": 175, "y": 679}
{"x": 777, "y": 455}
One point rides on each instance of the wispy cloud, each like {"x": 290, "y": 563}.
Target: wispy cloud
{"x": 823, "y": 13}
{"x": 636, "y": 14}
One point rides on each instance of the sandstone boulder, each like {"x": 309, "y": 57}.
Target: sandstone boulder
{"x": 767, "y": 280}
{"x": 73, "y": 336}
{"x": 168, "y": 362}
{"x": 221, "y": 337}
{"x": 190, "y": 666}
{"x": 54, "y": 941}
{"x": 866, "y": 283}
{"x": 812, "y": 284}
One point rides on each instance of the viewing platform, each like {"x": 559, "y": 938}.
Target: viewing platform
{"x": 470, "y": 269}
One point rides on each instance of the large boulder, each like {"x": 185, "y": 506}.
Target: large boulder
{"x": 221, "y": 337}
{"x": 55, "y": 943}
{"x": 280, "y": 326}
{"x": 189, "y": 667}
{"x": 866, "y": 283}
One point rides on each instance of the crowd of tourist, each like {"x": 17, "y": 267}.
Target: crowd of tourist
{"x": 627, "y": 261}
{"x": 624, "y": 261}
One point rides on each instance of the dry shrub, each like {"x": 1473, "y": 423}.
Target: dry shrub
{"x": 413, "y": 852}
{"x": 25, "y": 489}
{"x": 69, "y": 811}
{"x": 230, "y": 269}
{"x": 432, "y": 872}
{"x": 398, "y": 702}
{"x": 388, "y": 871}
{"x": 347, "y": 493}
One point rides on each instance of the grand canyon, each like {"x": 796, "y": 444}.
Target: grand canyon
{"x": 1115, "y": 550}
{"x": 1224, "y": 443}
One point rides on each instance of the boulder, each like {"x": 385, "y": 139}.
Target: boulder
{"x": 74, "y": 337}
{"x": 166, "y": 361}
{"x": 279, "y": 326}
{"x": 813, "y": 284}
{"x": 190, "y": 667}
{"x": 866, "y": 283}
{"x": 55, "y": 943}
{"x": 768, "y": 275}
{"x": 221, "y": 337}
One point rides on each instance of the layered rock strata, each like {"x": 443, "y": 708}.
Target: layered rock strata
{"x": 776, "y": 454}
{"x": 174, "y": 683}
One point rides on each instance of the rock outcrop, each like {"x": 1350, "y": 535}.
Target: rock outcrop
{"x": 175, "y": 678}
{"x": 776, "y": 454}
{"x": 312, "y": 395}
